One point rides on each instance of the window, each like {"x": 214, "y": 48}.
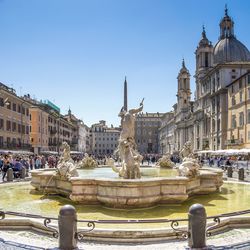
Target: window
{"x": 241, "y": 96}
{"x": 240, "y": 83}
{"x": 13, "y": 126}
{"x": 218, "y": 124}
{"x": 1, "y": 124}
{"x": 233, "y": 123}
{"x": 23, "y": 129}
{"x": 241, "y": 120}
{"x": 14, "y": 107}
{"x": 19, "y": 108}
{"x": 1, "y": 102}
{"x": 233, "y": 101}
{"x": 19, "y": 128}
{"x": 27, "y": 130}
{"x": 206, "y": 59}
{"x": 8, "y": 125}
{"x": 248, "y": 79}
{"x": 248, "y": 116}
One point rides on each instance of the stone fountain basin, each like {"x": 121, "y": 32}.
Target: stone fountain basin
{"x": 124, "y": 193}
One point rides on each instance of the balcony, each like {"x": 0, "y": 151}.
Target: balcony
{"x": 15, "y": 146}
{"x": 53, "y": 131}
{"x": 234, "y": 142}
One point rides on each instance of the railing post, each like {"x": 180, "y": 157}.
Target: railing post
{"x": 241, "y": 174}
{"x": 10, "y": 174}
{"x": 23, "y": 173}
{"x": 67, "y": 225}
{"x": 197, "y": 219}
{"x": 229, "y": 171}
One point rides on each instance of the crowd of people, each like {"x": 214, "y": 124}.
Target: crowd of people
{"x": 221, "y": 161}
{"x": 17, "y": 162}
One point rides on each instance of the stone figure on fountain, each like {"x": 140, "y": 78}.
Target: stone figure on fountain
{"x": 66, "y": 167}
{"x": 165, "y": 162}
{"x": 129, "y": 156}
{"x": 87, "y": 162}
{"x": 189, "y": 166}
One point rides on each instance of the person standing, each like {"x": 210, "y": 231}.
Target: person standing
{"x": 6, "y": 166}
{"x": 38, "y": 162}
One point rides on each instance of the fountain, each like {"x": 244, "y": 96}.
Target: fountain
{"x": 130, "y": 189}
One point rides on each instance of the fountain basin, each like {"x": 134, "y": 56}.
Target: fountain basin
{"x": 122, "y": 193}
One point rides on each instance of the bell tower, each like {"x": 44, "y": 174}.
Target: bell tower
{"x": 184, "y": 92}
{"x": 204, "y": 59}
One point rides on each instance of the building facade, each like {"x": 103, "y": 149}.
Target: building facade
{"x": 14, "y": 120}
{"x": 80, "y": 133}
{"x": 103, "y": 139}
{"x": 238, "y": 134}
{"x": 216, "y": 68}
{"x": 166, "y": 134}
{"x": 39, "y": 134}
{"x": 147, "y": 132}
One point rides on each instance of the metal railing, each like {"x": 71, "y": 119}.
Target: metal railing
{"x": 67, "y": 219}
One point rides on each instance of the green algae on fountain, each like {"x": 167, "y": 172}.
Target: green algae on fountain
{"x": 23, "y": 198}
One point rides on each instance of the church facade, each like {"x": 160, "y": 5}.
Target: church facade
{"x": 205, "y": 121}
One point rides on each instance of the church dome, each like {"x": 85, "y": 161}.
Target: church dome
{"x": 228, "y": 48}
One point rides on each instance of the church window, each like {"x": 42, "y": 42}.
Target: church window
{"x": 185, "y": 101}
{"x": 240, "y": 83}
{"x": 218, "y": 124}
{"x": 184, "y": 83}
{"x": 233, "y": 101}
{"x": 234, "y": 123}
{"x": 248, "y": 116}
{"x": 241, "y": 120}
{"x": 206, "y": 59}
{"x": 241, "y": 96}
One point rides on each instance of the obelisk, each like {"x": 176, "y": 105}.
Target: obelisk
{"x": 125, "y": 105}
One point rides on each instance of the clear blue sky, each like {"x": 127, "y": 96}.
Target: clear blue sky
{"x": 76, "y": 53}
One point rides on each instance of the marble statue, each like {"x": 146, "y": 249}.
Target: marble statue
{"x": 87, "y": 162}
{"x": 189, "y": 166}
{"x": 66, "y": 167}
{"x": 109, "y": 161}
{"x": 130, "y": 158}
{"x": 165, "y": 162}
{"x": 187, "y": 150}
